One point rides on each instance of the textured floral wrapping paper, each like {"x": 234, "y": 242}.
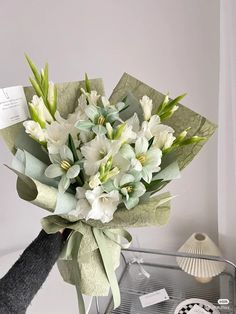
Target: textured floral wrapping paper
{"x": 99, "y": 244}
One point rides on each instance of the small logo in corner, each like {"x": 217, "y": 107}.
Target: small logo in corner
{"x": 223, "y": 301}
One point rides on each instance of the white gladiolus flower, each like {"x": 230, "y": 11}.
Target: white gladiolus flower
{"x": 82, "y": 207}
{"x": 94, "y": 181}
{"x": 146, "y": 104}
{"x": 92, "y": 96}
{"x": 79, "y": 113}
{"x": 105, "y": 101}
{"x": 34, "y": 129}
{"x": 64, "y": 166}
{"x": 134, "y": 122}
{"x": 131, "y": 189}
{"x": 109, "y": 130}
{"x": 38, "y": 107}
{"x": 128, "y": 135}
{"x": 164, "y": 140}
{"x": 121, "y": 163}
{"x": 57, "y": 135}
{"x": 163, "y": 134}
{"x": 97, "y": 152}
{"x": 59, "y": 130}
{"x": 52, "y": 96}
{"x": 103, "y": 205}
{"x": 143, "y": 160}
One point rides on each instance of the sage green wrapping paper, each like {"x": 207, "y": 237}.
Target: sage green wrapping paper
{"x": 93, "y": 277}
{"x": 154, "y": 211}
{"x": 181, "y": 119}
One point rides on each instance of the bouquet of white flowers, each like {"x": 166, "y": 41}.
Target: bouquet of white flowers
{"x": 95, "y": 164}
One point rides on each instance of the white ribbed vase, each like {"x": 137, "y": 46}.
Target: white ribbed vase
{"x": 203, "y": 270}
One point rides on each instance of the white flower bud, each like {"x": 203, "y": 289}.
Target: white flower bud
{"x": 146, "y": 104}
{"x": 34, "y": 129}
{"x": 39, "y": 109}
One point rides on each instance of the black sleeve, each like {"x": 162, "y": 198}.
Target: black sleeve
{"x": 23, "y": 280}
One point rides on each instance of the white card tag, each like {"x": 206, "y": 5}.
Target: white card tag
{"x": 154, "y": 297}
{"x": 13, "y": 106}
{"x": 197, "y": 310}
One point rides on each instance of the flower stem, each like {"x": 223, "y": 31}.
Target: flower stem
{"x": 79, "y": 181}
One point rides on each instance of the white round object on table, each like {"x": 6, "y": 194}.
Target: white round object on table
{"x": 186, "y": 306}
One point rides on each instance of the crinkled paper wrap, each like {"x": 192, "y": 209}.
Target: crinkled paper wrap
{"x": 154, "y": 211}
{"x": 182, "y": 118}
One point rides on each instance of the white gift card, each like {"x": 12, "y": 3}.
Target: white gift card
{"x": 197, "y": 310}
{"x": 13, "y": 106}
{"x": 154, "y": 297}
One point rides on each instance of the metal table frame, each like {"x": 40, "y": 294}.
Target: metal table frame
{"x": 173, "y": 254}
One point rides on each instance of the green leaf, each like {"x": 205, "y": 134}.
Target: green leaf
{"x": 33, "y": 113}
{"x": 192, "y": 140}
{"x": 36, "y": 87}
{"x": 87, "y": 84}
{"x": 119, "y": 131}
{"x": 150, "y": 142}
{"x": 153, "y": 185}
{"x": 45, "y": 80}
{"x": 168, "y": 173}
{"x": 53, "y": 106}
{"x": 159, "y": 187}
{"x": 71, "y": 145}
{"x": 33, "y": 69}
{"x": 163, "y": 105}
{"x": 166, "y": 115}
{"x": 174, "y": 102}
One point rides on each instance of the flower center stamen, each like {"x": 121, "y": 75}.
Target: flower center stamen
{"x": 65, "y": 165}
{"x": 104, "y": 199}
{"x": 102, "y": 154}
{"x": 142, "y": 159}
{"x": 101, "y": 120}
{"x": 129, "y": 189}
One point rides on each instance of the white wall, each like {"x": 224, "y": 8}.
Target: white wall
{"x": 171, "y": 45}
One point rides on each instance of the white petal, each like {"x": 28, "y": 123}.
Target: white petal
{"x": 66, "y": 153}
{"x": 94, "y": 181}
{"x": 125, "y": 192}
{"x": 127, "y": 178}
{"x": 114, "y": 195}
{"x": 153, "y": 157}
{"x": 99, "y": 129}
{"x": 63, "y": 184}
{"x": 73, "y": 172}
{"x": 54, "y": 171}
{"x": 127, "y": 151}
{"x": 147, "y": 174}
{"x": 90, "y": 168}
{"x": 136, "y": 164}
{"x": 80, "y": 192}
{"x": 134, "y": 122}
{"x": 131, "y": 202}
{"x": 146, "y": 104}
{"x": 105, "y": 101}
{"x": 82, "y": 209}
{"x": 92, "y": 112}
{"x": 139, "y": 190}
{"x": 154, "y": 121}
{"x": 55, "y": 158}
{"x": 92, "y": 195}
{"x": 141, "y": 145}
